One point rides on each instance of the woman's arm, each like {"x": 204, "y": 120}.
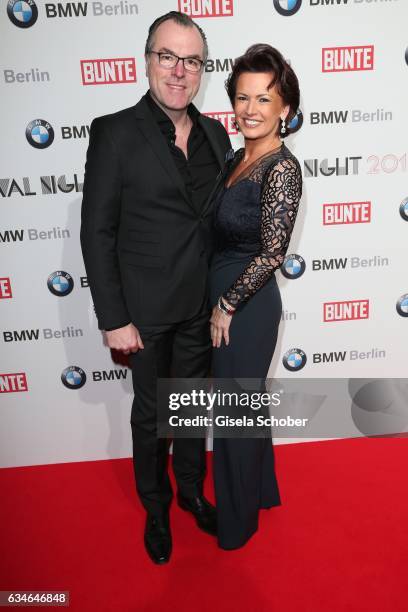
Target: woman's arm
{"x": 282, "y": 190}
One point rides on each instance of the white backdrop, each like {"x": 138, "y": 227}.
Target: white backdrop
{"x": 353, "y": 117}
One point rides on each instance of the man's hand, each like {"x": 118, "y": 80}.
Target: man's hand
{"x": 126, "y": 339}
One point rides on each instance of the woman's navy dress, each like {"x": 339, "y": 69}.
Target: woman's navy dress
{"x": 253, "y": 221}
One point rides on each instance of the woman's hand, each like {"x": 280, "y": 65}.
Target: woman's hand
{"x": 220, "y": 323}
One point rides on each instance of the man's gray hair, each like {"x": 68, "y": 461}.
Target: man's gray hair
{"x": 181, "y": 19}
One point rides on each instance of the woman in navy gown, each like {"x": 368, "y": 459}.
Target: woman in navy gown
{"x": 255, "y": 209}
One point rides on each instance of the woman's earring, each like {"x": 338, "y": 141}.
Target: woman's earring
{"x": 283, "y": 127}
{"x": 235, "y": 124}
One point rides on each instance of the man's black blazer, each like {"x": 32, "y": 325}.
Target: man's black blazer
{"x": 145, "y": 247}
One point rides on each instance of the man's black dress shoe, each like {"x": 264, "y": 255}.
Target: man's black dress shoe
{"x": 157, "y": 538}
{"x": 203, "y": 512}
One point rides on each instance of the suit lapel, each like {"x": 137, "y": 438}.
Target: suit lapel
{"x": 154, "y": 137}
{"x": 209, "y": 130}
{"x": 219, "y": 152}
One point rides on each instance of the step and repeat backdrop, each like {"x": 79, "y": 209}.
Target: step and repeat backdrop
{"x": 62, "y": 395}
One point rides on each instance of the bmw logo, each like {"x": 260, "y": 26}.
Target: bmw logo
{"x": 39, "y": 134}
{"x": 287, "y": 7}
{"x": 294, "y": 359}
{"x": 296, "y": 123}
{"x": 60, "y": 283}
{"x": 293, "y": 266}
{"x": 73, "y": 377}
{"x": 404, "y": 209}
{"x": 22, "y": 14}
{"x": 402, "y": 305}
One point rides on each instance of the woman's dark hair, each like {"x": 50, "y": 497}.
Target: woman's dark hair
{"x": 264, "y": 58}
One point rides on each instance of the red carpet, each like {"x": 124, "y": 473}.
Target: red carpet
{"x": 338, "y": 542}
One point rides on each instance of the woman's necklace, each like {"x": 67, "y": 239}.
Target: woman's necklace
{"x": 246, "y": 158}
{"x": 240, "y": 169}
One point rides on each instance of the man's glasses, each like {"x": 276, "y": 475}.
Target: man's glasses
{"x": 169, "y": 60}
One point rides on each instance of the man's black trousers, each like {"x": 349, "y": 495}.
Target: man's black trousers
{"x": 180, "y": 350}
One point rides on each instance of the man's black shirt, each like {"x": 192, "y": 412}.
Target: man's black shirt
{"x": 200, "y": 168}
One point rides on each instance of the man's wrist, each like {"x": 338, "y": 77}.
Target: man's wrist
{"x": 116, "y": 327}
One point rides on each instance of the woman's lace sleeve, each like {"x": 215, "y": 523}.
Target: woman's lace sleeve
{"x": 282, "y": 190}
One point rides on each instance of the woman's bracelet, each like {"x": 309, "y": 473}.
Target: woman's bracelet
{"x": 224, "y": 308}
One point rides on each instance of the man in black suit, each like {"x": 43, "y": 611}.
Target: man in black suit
{"x": 146, "y": 242}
